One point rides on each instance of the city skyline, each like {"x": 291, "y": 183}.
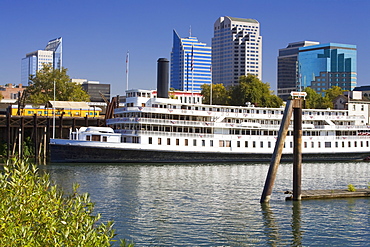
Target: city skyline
{"x": 97, "y": 35}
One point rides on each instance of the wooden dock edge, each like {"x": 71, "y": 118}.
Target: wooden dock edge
{"x": 331, "y": 194}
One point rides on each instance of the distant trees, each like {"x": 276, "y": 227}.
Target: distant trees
{"x": 250, "y": 89}
{"x": 219, "y": 94}
{"x": 253, "y": 90}
{"x": 317, "y": 101}
{"x": 41, "y": 87}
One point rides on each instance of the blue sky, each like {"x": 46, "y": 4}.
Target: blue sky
{"x": 97, "y": 34}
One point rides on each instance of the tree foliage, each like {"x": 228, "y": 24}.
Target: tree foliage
{"x": 253, "y": 90}
{"x": 313, "y": 99}
{"x": 250, "y": 89}
{"x": 219, "y": 94}
{"x": 317, "y": 101}
{"x": 33, "y": 212}
{"x": 41, "y": 87}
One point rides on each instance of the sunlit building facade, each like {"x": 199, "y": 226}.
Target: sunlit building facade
{"x": 190, "y": 64}
{"x": 326, "y": 65}
{"x": 33, "y": 62}
{"x": 236, "y": 50}
{"x": 287, "y": 71}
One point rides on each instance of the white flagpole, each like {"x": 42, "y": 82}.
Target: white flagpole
{"x": 192, "y": 73}
{"x": 127, "y": 61}
{"x": 210, "y": 100}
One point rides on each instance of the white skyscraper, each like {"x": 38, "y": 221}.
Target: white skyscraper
{"x": 236, "y": 50}
{"x": 34, "y": 60}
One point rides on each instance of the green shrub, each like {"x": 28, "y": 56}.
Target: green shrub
{"x": 33, "y": 212}
{"x": 351, "y": 188}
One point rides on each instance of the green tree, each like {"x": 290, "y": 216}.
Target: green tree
{"x": 313, "y": 99}
{"x": 219, "y": 94}
{"x": 316, "y": 101}
{"x": 331, "y": 94}
{"x": 41, "y": 87}
{"x": 253, "y": 90}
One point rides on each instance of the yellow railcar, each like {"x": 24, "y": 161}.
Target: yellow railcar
{"x": 30, "y": 110}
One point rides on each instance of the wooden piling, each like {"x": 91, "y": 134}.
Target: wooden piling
{"x": 35, "y": 140}
{"x": 276, "y": 157}
{"x": 297, "y": 149}
{"x": 8, "y": 133}
{"x": 22, "y": 137}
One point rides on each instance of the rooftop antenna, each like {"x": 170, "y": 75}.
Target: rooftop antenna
{"x": 190, "y": 31}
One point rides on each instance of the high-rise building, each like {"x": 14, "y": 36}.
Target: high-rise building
{"x": 326, "y": 65}
{"x": 190, "y": 64}
{"x": 52, "y": 54}
{"x": 98, "y": 92}
{"x": 236, "y": 50}
{"x": 287, "y": 72}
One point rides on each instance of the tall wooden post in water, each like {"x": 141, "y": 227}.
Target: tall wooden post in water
{"x": 296, "y": 104}
{"x": 297, "y": 149}
{"x": 275, "y": 160}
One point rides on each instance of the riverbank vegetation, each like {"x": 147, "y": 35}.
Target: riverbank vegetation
{"x": 34, "y": 212}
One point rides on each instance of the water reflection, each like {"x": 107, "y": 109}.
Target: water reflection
{"x": 218, "y": 205}
{"x": 296, "y": 223}
{"x": 272, "y": 230}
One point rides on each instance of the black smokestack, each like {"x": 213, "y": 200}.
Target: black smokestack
{"x": 162, "y": 78}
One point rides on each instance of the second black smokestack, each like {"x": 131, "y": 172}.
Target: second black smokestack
{"x": 162, "y": 78}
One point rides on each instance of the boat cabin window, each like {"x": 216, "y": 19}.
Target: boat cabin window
{"x": 88, "y": 138}
{"x": 104, "y": 139}
{"x": 95, "y": 138}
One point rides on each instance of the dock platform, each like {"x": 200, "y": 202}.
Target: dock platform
{"x": 331, "y": 194}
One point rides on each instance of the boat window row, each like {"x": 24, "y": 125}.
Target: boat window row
{"x": 138, "y": 115}
{"x": 218, "y": 109}
{"x": 247, "y": 110}
{"x": 256, "y": 144}
{"x": 327, "y": 113}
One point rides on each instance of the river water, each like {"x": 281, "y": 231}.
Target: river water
{"x": 218, "y": 204}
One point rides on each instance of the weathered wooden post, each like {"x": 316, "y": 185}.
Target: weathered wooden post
{"x": 295, "y": 103}
{"x": 47, "y": 135}
{"x": 73, "y": 124}
{"x": 61, "y": 126}
{"x": 297, "y": 152}
{"x": 22, "y": 137}
{"x": 275, "y": 160}
{"x": 8, "y": 132}
{"x": 35, "y": 141}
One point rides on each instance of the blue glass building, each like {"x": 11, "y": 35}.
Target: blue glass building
{"x": 34, "y": 61}
{"x": 190, "y": 64}
{"x": 326, "y": 65}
